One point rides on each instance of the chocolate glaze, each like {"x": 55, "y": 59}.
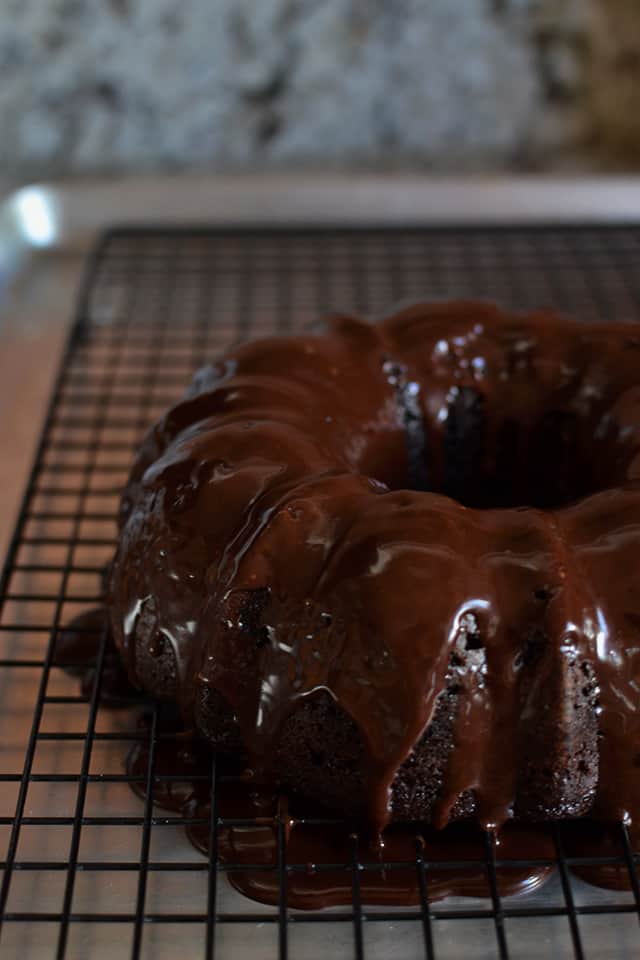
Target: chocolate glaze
{"x": 77, "y": 648}
{"x": 322, "y": 851}
{"x": 325, "y": 848}
{"x": 270, "y": 553}
{"x": 392, "y": 872}
{"x": 454, "y": 858}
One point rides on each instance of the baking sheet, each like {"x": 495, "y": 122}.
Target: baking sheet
{"x": 46, "y": 230}
{"x": 33, "y": 318}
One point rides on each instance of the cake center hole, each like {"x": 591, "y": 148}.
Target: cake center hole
{"x": 485, "y": 456}
{"x": 505, "y": 464}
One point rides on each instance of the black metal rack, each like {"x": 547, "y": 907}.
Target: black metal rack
{"x": 154, "y": 306}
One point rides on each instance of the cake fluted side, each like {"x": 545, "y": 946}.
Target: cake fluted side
{"x": 393, "y": 652}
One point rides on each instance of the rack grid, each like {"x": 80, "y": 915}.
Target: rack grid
{"x": 87, "y": 867}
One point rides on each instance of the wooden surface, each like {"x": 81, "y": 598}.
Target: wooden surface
{"x": 33, "y": 325}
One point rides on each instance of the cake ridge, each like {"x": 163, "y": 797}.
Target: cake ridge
{"x": 276, "y": 494}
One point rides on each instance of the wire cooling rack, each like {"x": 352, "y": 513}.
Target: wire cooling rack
{"x": 88, "y": 868}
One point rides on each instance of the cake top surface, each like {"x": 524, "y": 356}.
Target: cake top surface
{"x": 284, "y": 538}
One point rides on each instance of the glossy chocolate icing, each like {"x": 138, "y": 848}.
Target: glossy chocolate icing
{"x": 250, "y": 821}
{"x": 407, "y": 862}
{"x": 271, "y": 550}
{"x": 77, "y": 650}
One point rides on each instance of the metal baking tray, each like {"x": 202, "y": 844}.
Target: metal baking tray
{"x": 89, "y": 870}
{"x": 47, "y": 229}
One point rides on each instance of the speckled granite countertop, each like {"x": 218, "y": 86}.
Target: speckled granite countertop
{"x": 149, "y": 85}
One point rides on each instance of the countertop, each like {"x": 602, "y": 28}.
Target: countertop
{"x": 33, "y": 325}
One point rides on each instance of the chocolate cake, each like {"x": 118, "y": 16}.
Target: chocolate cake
{"x": 396, "y": 565}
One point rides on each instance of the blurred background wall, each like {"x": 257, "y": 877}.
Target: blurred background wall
{"x": 445, "y": 85}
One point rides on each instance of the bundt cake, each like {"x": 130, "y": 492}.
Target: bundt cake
{"x": 397, "y": 565}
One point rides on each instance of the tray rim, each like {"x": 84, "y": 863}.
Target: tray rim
{"x": 80, "y": 208}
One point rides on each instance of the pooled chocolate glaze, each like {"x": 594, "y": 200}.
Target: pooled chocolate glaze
{"x": 321, "y": 852}
{"x": 77, "y": 649}
{"x": 405, "y": 863}
{"x": 271, "y": 555}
